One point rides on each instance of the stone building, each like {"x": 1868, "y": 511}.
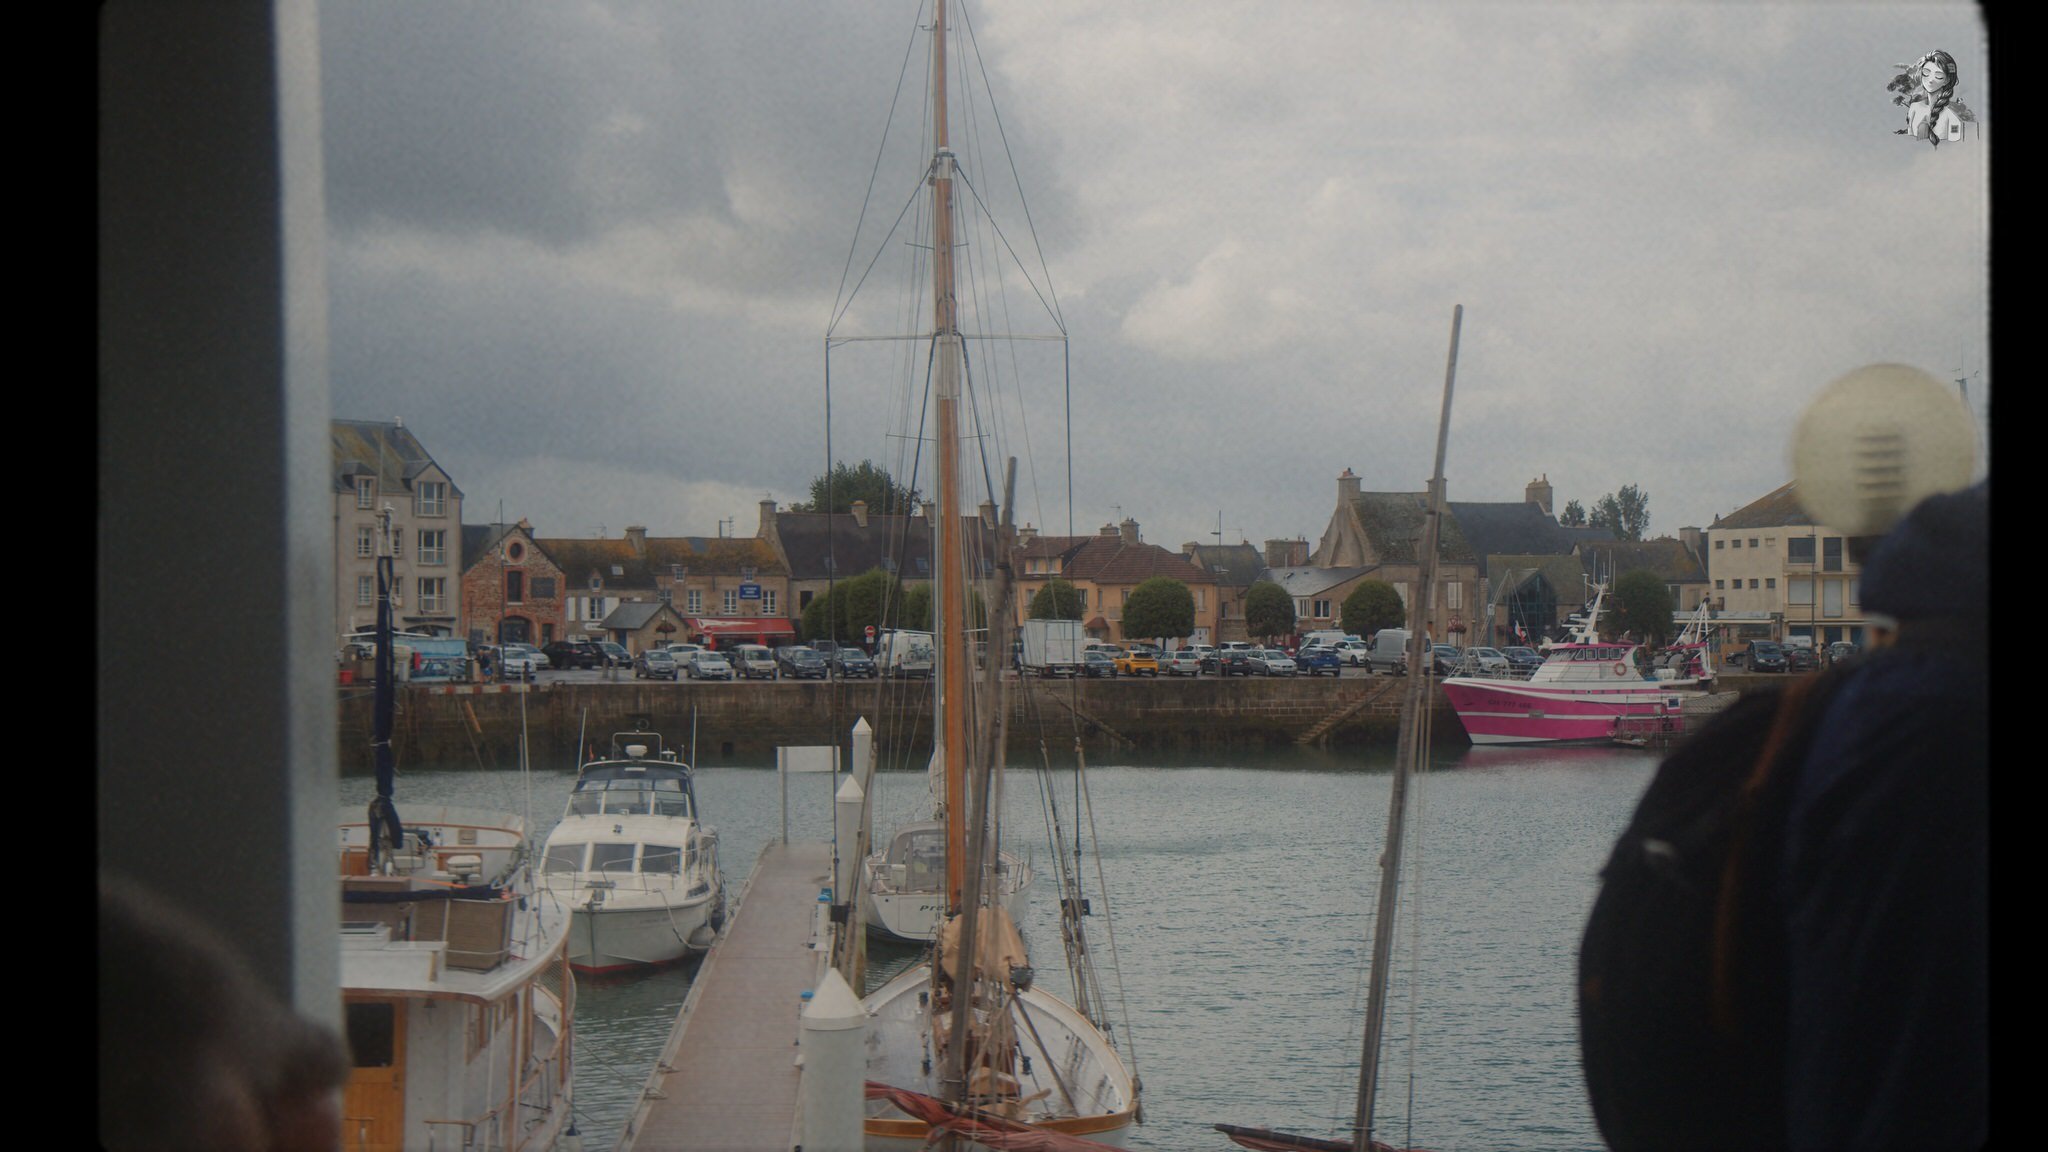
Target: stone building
{"x": 1383, "y": 530}
{"x": 512, "y": 589}
{"x": 379, "y": 464}
{"x": 1105, "y": 568}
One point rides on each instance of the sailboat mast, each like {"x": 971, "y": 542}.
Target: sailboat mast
{"x": 951, "y": 601}
{"x": 1406, "y": 754}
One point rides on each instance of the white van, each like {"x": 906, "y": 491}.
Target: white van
{"x": 752, "y": 661}
{"x": 1390, "y": 651}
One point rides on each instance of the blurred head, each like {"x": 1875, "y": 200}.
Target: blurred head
{"x": 1934, "y": 568}
{"x": 194, "y": 1051}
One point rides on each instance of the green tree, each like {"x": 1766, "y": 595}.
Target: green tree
{"x": 1625, "y": 513}
{"x": 1158, "y": 609}
{"x": 1573, "y": 516}
{"x": 1641, "y": 604}
{"x": 863, "y": 481}
{"x": 845, "y": 613}
{"x": 1058, "y": 600}
{"x": 1268, "y": 611}
{"x": 1373, "y": 605}
{"x": 916, "y": 611}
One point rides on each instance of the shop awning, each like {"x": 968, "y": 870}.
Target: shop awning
{"x": 740, "y": 625}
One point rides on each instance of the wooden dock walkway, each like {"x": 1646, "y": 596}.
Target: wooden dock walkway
{"x": 728, "y": 1079}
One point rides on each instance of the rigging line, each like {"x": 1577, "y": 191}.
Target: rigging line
{"x": 895, "y": 97}
{"x": 967, "y": 23}
{"x": 1052, "y": 313}
{"x": 1109, "y": 929}
{"x": 843, "y": 305}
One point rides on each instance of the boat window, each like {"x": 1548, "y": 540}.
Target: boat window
{"x": 632, "y": 803}
{"x": 611, "y": 857}
{"x": 564, "y": 858}
{"x": 663, "y": 858}
{"x": 585, "y": 803}
{"x": 671, "y": 805}
{"x": 371, "y": 1034}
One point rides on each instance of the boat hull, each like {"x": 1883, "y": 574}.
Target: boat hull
{"x": 915, "y": 916}
{"x": 1063, "y": 1042}
{"x": 614, "y": 937}
{"x": 1521, "y": 712}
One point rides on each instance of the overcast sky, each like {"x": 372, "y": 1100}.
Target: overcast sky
{"x": 589, "y": 251}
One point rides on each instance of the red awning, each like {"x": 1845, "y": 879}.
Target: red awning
{"x": 740, "y": 625}
{"x": 1098, "y": 624}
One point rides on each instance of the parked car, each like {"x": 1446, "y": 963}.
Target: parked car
{"x": 1765, "y": 656}
{"x": 615, "y": 655}
{"x": 1446, "y": 659}
{"x": 1840, "y": 651}
{"x": 1389, "y": 651}
{"x": 708, "y": 665}
{"x": 1318, "y": 659}
{"x": 567, "y": 654}
{"x": 1484, "y": 661}
{"x": 1138, "y": 662}
{"x": 799, "y": 663}
{"x": 852, "y": 663}
{"x": 1236, "y": 661}
{"x": 1801, "y": 658}
{"x": 1096, "y": 662}
{"x": 1351, "y": 650}
{"x": 1272, "y": 662}
{"x": 824, "y": 648}
{"x": 1181, "y": 662}
{"x": 519, "y": 661}
{"x": 1522, "y": 661}
{"x": 753, "y": 662}
{"x": 654, "y": 664}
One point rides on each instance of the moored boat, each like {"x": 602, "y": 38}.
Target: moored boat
{"x": 1584, "y": 692}
{"x": 634, "y": 860}
{"x": 455, "y": 980}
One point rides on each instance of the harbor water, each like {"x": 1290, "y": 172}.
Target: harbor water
{"x": 1241, "y": 898}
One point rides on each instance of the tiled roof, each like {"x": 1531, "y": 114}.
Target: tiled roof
{"x": 384, "y": 449}
{"x": 579, "y": 559}
{"x": 1392, "y": 522}
{"x": 1235, "y": 565}
{"x": 1668, "y": 558}
{"x": 1501, "y": 528}
{"x": 1589, "y": 537}
{"x": 1108, "y": 560}
{"x": 824, "y": 545}
{"x": 1778, "y": 509}
{"x": 1304, "y": 581}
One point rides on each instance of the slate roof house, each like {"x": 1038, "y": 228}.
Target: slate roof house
{"x": 819, "y": 548}
{"x": 378, "y": 463}
{"x": 725, "y": 590}
{"x": 1236, "y": 568}
{"x": 1383, "y": 530}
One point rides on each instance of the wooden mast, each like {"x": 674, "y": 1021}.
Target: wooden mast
{"x": 951, "y": 601}
{"x": 1406, "y": 754}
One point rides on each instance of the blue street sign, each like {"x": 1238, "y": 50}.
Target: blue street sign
{"x": 750, "y": 591}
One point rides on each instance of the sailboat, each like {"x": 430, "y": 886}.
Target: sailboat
{"x": 967, "y": 1042}
{"x": 455, "y": 977}
{"x": 1412, "y": 751}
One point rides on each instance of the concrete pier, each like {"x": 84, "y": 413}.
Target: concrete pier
{"x": 728, "y": 1078}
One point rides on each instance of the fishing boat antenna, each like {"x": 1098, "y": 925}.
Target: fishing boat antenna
{"x": 1404, "y": 767}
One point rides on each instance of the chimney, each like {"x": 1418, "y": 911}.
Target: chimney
{"x": 1188, "y": 549}
{"x": 1538, "y": 493}
{"x": 1695, "y": 542}
{"x": 636, "y": 535}
{"x": 1106, "y": 530}
{"x": 931, "y": 512}
{"x": 767, "y": 519}
{"x": 1128, "y": 530}
{"x": 1297, "y": 554}
{"x": 1026, "y": 534}
{"x": 860, "y": 513}
{"x": 1280, "y": 554}
{"x": 1347, "y": 487}
{"x": 988, "y": 514}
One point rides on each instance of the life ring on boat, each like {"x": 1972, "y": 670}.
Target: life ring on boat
{"x": 1621, "y": 668}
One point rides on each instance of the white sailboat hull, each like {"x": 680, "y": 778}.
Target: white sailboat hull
{"x": 1060, "y": 1048}
{"x": 915, "y": 916}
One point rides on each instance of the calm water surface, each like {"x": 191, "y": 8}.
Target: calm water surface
{"x": 1242, "y": 898}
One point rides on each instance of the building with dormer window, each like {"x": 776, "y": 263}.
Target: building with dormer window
{"x": 378, "y": 464}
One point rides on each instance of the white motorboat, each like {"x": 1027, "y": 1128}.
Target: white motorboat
{"x": 455, "y": 979}
{"x": 634, "y": 860}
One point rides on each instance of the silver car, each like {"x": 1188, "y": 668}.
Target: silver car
{"x": 1485, "y": 660}
{"x": 706, "y": 665}
{"x": 1181, "y": 662}
{"x": 1273, "y": 662}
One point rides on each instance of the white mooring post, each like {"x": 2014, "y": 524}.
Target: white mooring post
{"x": 848, "y": 806}
{"x": 834, "y": 1057}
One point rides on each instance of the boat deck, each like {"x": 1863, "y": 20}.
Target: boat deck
{"x": 727, "y": 1078}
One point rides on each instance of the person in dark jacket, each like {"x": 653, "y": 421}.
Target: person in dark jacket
{"x": 1882, "y": 880}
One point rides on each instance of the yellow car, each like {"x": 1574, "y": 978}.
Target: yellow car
{"x": 1138, "y": 662}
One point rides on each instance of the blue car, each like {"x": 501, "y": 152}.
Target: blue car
{"x": 1316, "y": 660}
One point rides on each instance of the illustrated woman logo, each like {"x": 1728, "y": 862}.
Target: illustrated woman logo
{"x": 1927, "y": 88}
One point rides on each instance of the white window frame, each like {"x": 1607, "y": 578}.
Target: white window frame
{"x": 1799, "y": 591}
{"x": 430, "y": 498}
{"x": 366, "y": 492}
{"x": 694, "y": 601}
{"x": 732, "y": 602}
{"x": 366, "y": 590}
{"x": 1455, "y": 595}
{"x": 433, "y": 593}
{"x": 437, "y": 552}
{"x": 767, "y": 601}
{"x": 366, "y": 540}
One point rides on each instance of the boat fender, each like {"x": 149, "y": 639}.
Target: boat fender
{"x": 1620, "y": 668}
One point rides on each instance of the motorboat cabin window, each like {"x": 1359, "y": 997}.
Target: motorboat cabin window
{"x": 611, "y": 857}
{"x": 663, "y": 858}
{"x": 564, "y": 858}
